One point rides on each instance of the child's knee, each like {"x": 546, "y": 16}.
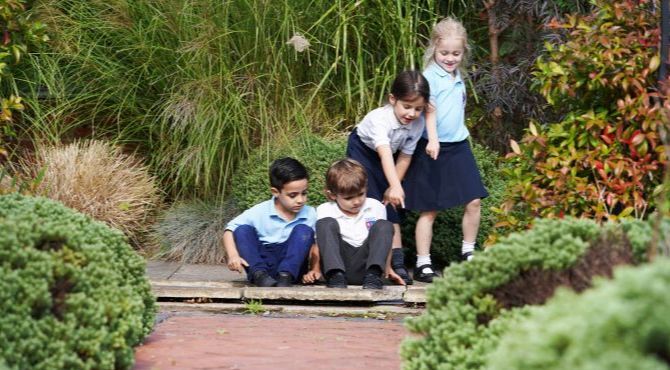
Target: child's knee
{"x": 304, "y": 233}
{"x": 382, "y": 226}
{"x": 328, "y": 223}
{"x": 474, "y": 204}
{"x": 244, "y": 231}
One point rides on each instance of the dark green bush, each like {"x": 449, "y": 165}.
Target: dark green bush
{"x": 447, "y": 233}
{"x": 73, "y": 294}
{"x": 251, "y": 184}
{"x": 475, "y": 302}
{"x": 619, "y": 324}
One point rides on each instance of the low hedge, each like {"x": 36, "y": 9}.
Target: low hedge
{"x": 73, "y": 293}
{"x": 619, "y": 324}
{"x": 473, "y": 304}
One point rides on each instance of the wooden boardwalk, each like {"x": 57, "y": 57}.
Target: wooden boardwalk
{"x": 170, "y": 280}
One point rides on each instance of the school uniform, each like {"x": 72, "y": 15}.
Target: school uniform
{"x": 269, "y": 242}
{"x": 381, "y": 127}
{"x": 453, "y": 179}
{"x": 353, "y": 243}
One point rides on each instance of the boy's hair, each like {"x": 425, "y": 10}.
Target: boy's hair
{"x": 448, "y": 27}
{"x": 346, "y": 176}
{"x": 410, "y": 84}
{"x": 285, "y": 170}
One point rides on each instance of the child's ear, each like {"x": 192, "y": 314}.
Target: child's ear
{"x": 392, "y": 99}
{"x": 330, "y": 195}
{"x": 275, "y": 192}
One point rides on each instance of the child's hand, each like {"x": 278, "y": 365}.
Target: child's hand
{"x": 395, "y": 278}
{"x": 433, "y": 149}
{"x": 311, "y": 277}
{"x": 395, "y": 196}
{"x": 237, "y": 264}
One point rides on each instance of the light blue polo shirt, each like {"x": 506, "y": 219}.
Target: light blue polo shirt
{"x": 447, "y": 93}
{"x": 271, "y": 227}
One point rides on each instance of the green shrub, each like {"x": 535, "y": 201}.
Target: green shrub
{"x": 73, "y": 293}
{"x": 251, "y": 182}
{"x": 605, "y": 159}
{"x": 620, "y": 324}
{"x": 474, "y": 303}
{"x": 447, "y": 233}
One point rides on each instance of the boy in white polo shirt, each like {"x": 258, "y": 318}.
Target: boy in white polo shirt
{"x": 353, "y": 235}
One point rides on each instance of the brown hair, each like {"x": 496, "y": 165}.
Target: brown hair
{"x": 346, "y": 176}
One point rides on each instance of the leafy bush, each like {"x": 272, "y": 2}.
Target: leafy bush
{"x": 605, "y": 159}
{"x": 101, "y": 181}
{"x": 619, "y": 324}
{"x": 19, "y": 32}
{"x": 447, "y": 232}
{"x": 73, "y": 293}
{"x": 469, "y": 308}
{"x": 251, "y": 182}
{"x": 191, "y": 232}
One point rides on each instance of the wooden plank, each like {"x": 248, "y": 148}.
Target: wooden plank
{"x": 161, "y": 269}
{"x": 207, "y": 273}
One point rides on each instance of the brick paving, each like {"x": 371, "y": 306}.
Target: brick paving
{"x": 185, "y": 340}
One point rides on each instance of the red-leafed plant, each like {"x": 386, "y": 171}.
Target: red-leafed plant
{"x": 605, "y": 159}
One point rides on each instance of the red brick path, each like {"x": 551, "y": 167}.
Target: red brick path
{"x": 244, "y": 342}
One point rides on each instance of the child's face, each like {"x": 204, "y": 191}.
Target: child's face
{"x": 350, "y": 204}
{"x": 407, "y": 111}
{"x": 449, "y": 53}
{"x": 292, "y": 196}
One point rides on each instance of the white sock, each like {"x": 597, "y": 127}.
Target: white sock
{"x": 467, "y": 247}
{"x": 424, "y": 260}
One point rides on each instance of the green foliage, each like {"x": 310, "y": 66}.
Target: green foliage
{"x": 447, "y": 233}
{"x": 251, "y": 184}
{"x": 254, "y": 307}
{"x": 466, "y": 312}
{"x": 197, "y": 84}
{"x": 619, "y": 324}
{"x": 19, "y": 32}
{"x": 605, "y": 159}
{"x": 73, "y": 293}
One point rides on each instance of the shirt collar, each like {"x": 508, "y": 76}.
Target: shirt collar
{"x": 273, "y": 210}
{"x": 443, "y": 73}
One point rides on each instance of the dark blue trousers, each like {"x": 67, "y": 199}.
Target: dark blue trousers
{"x": 289, "y": 256}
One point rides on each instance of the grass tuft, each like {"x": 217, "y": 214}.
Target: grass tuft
{"x": 100, "y": 181}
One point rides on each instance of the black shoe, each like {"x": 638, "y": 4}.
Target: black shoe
{"x": 372, "y": 281}
{"x": 424, "y": 277}
{"x": 284, "y": 280}
{"x": 398, "y": 265}
{"x": 262, "y": 279}
{"x": 336, "y": 279}
{"x": 467, "y": 256}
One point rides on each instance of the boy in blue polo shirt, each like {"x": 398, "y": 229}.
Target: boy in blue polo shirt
{"x": 271, "y": 240}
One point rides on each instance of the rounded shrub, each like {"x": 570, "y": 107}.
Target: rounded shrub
{"x": 447, "y": 233}
{"x": 73, "y": 294}
{"x": 619, "y": 324}
{"x": 251, "y": 183}
{"x": 476, "y": 302}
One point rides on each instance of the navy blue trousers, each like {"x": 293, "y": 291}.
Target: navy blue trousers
{"x": 289, "y": 256}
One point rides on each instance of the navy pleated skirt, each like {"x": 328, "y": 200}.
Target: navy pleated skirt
{"x": 377, "y": 183}
{"x": 451, "y": 180}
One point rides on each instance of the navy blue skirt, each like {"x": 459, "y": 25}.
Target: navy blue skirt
{"x": 451, "y": 180}
{"x": 377, "y": 183}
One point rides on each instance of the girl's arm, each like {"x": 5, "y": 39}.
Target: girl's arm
{"x": 394, "y": 194}
{"x": 433, "y": 146}
{"x": 402, "y": 164}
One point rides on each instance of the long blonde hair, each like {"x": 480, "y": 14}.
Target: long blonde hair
{"x": 448, "y": 27}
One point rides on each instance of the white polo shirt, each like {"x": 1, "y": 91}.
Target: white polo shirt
{"x": 381, "y": 126}
{"x": 354, "y": 229}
